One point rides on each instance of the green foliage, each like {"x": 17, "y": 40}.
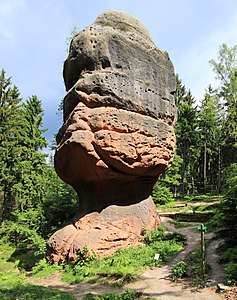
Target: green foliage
{"x": 154, "y": 235}
{"x": 126, "y": 295}
{"x": 12, "y": 285}
{"x": 227, "y": 223}
{"x": 165, "y": 189}
{"x": 195, "y": 269}
{"x": 179, "y": 270}
{"x": 231, "y": 273}
{"x": 225, "y": 69}
{"x": 26, "y": 292}
{"x": 22, "y": 231}
{"x": 210, "y": 122}
{"x": 176, "y": 236}
{"x": 11, "y": 125}
{"x": 30, "y": 190}
{"x": 75, "y": 30}
{"x": 125, "y": 265}
{"x": 161, "y": 194}
{"x": 9, "y": 275}
{"x": 84, "y": 257}
{"x": 229, "y": 255}
{"x": 59, "y": 204}
{"x": 188, "y": 138}
{"x": 44, "y": 269}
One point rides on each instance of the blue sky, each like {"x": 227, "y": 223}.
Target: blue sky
{"x": 33, "y": 40}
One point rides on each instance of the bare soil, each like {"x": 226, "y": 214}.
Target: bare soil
{"x": 157, "y": 282}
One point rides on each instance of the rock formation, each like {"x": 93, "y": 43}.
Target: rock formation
{"x": 117, "y": 136}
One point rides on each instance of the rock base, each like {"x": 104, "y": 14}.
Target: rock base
{"x": 104, "y": 232}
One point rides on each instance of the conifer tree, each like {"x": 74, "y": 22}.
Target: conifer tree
{"x": 226, "y": 72}
{"x": 210, "y": 126}
{"x": 188, "y": 137}
{"x": 33, "y": 162}
{"x": 23, "y": 165}
{"x": 11, "y": 124}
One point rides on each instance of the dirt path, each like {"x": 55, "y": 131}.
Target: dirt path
{"x": 156, "y": 282}
{"x": 78, "y": 290}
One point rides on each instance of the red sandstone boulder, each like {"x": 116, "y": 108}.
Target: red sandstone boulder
{"x": 117, "y": 136}
{"x": 104, "y": 232}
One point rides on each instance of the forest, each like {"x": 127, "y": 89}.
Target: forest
{"x": 34, "y": 202}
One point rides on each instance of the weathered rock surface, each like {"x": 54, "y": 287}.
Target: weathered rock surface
{"x": 103, "y": 233}
{"x": 117, "y": 136}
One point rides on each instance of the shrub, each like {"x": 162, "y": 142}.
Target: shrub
{"x": 154, "y": 235}
{"x": 176, "y": 236}
{"x": 166, "y": 249}
{"x": 44, "y": 269}
{"x": 127, "y": 295}
{"x": 231, "y": 273}
{"x": 179, "y": 270}
{"x": 230, "y": 255}
{"x": 22, "y": 231}
{"x": 161, "y": 194}
{"x": 84, "y": 257}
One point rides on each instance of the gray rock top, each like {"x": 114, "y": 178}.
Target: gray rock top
{"x": 116, "y": 62}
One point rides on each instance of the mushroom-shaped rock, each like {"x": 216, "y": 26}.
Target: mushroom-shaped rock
{"x": 117, "y": 136}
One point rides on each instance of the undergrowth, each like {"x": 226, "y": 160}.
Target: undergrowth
{"x": 12, "y": 279}
{"x": 127, "y": 295}
{"x": 33, "y": 292}
{"x": 126, "y": 264}
{"x": 228, "y": 256}
{"x": 44, "y": 269}
{"x": 191, "y": 269}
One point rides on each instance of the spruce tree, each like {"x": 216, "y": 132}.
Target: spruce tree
{"x": 23, "y": 165}
{"x": 188, "y": 138}
{"x": 11, "y": 124}
{"x": 33, "y": 160}
{"x": 210, "y": 126}
{"x": 226, "y": 72}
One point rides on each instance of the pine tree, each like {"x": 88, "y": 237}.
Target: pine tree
{"x": 23, "y": 165}
{"x": 33, "y": 161}
{"x": 226, "y": 72}
{"x": 188, "y": 138}
{"x": 11, "y": 124}
{"x": 210, "y": 126}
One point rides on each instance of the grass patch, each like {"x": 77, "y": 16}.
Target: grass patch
{"x": 44, "y": 269}
{"x": 10, "y": 275}
{"x": 205, "y": 197}
{"x": 209, "y": 208}
{"x": 12, "y": 278}
{"x": 33, "y": 292}
{"x": 125, "y": 265}
{"x": 178, "y": 224}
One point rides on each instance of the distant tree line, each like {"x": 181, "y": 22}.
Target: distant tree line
{"x": 33, "y": 200}
{"x": 206, "y": 134}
